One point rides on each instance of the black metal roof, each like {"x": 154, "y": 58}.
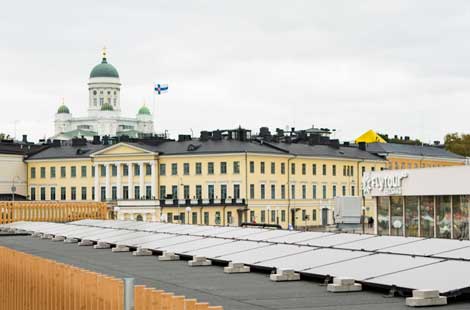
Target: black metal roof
{"x": 414, "y": 150}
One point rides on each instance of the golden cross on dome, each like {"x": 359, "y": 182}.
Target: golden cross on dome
{"x": 103, "y": 52}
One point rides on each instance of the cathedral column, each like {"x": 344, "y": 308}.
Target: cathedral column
{"x": 154, "y": 180}
{"x": 108, "y": 182}
{"x": 118, "y": 181}
{"x": 141, "y": 179}
{"x": 130, "y": 179}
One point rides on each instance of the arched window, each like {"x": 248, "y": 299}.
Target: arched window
{"x": 139, "y": 218}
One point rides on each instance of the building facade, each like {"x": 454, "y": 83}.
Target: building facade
{"x": 104, "y": 110}
{"x": 429, "y": 203}
{"x": 205, "y": 181}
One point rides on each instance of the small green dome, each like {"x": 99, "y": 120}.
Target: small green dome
{"x": 104, "y": 69}
{"x": 144, "y": 111}
{"x": 107, "y": 107}
{"x": 63, "y": 109}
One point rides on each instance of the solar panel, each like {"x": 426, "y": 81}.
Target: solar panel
{"x": 368, "y": 266}
{"x": 428, "y": 247}
{"x": 196, "y": 245}
{"x": 226, "y": 248}
{"x": 462, "y": 253}
{"x": 271, "y": 234}
{"x": 258, "y": 255}
{"x": 378, "y": 243}
{"x": 302, "y": 236}
{"x": 446, "y": 276}
{"x": 335, "y": 240}
{"x": 162, "y": 243}
{"x": 151, "y": 237}
{"x": 240, "y": 232}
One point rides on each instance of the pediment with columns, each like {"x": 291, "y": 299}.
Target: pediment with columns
{"x": 123, "y": 150}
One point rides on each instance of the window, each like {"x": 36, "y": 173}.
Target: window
{"x": 236, "y": 167}
{"x": 103, "y": 193}
{"x": 352, "y": 171}
{"x": 304, "y": 215}
{"x": 93, "y": 193}
{"x": 236, "y": 191}
{"x": 125, "y": 192}
{"x": 103, "y": 170}
{"x": 252, "y": 167}
{"x": 93, "y": 171}
{"x": 136, "y": 192}
{"x": 273, "y": 168}
{"x": 263, "y": 191}
{"x": 252, "y": 216}
{"x": 162, "y": 169}
{"x": 353, "y": 191}
{"x": 43, "y": 172}
{"x": 334, "y": 190}
{"x": 33, "y": 193}
{"x": 273, "y": 216}
{"x": 323, "y": 169}
{"x": 52, "y": 172}
{"x": 136, "y": 170}
{"x": 283, "y": 191}
{"x": 53, "y": 193}
{"x": 229, "y": 217}
{"x": 283, "y": 215}
{"x": 210, "y": 191}
{"x": 198, "y": 192}
{"x": 186, "y": 191}
{"x": 83, "y": 171}
{"x": 194, "y": 220}
{"x": 314, "y": 191}
{"x": 63, "y": 193}
{"x": 252, "y": 191}
{"x": 101, "y": 101}
{"x": 174, "y": 191}
{"x": 292, "y": 191}
{"x": 62, "y": 172}
{"x": 186, "y": 168}
{"x": 162, "y": 191}
{"x": 223, "y": 191}
{"x": 304, "y": 191}
{"x": 363, "y": 170}
{"x": 324, "y": 191}
{"x": 343, "y": 190}
{"x": 169, "y": 217}
{"x": 148, "y": 192}
{"x": 263, "y": 216}
{"x": 314, "y": 215}
{"x": 372, "y": 169}
{"x": 73, "y": 171}
{"x": 333, "y": 170}
{"x": 314, "y": 169}
{"x": 206, "y": 218}
{"x": 84, "y": 193}
{"x": 304, "y": 169}
{"x": 43, "y": 193}
{"x": 198, "y": 168}
{"x": 273, "y": 191}
{"x": 113, "y": 193}
{"x": 262, "y": 167}
{"x": 292, "y": 168}
{"x": 283, "y": 168}
{"x": 148, "y": 169}
{"x": 174, "y": 169}
{"x": 210, "y": 168}
{"x": 33, "y": 172}
{"x": 217, "y": 217}
{"x": 113, "y": 170}
{"x": 223, "y": 167}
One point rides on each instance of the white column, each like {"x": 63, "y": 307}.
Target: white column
{"x": 108, "y": 182}
{"x": 97, "y": 182}
{"x": 130, "y": 179}
{"x": 118, "y": 181}
{"x": 141, "y": 179}
{"x": 154, "y": 180}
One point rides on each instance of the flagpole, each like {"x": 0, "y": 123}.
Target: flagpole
{"x": 154, "y": 107}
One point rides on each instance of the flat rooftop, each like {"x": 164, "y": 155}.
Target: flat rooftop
{"x": 232, "y": 291}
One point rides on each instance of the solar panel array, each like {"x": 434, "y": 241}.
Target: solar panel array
{"x": 403, "y": 262}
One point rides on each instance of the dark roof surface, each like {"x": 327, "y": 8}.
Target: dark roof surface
{"x": 69, "y": 151}
{"x": 407, "y": 149}
{"x": 326, "y": 151}
{"x": 250, "y": 291}
{"x": 21, "y": 148}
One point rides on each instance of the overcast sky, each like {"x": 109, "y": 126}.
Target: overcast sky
{"x": 401, "y": 67}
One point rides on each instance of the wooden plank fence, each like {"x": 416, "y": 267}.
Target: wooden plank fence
{"x": 51, "y": 211}
{"x": 29, "y": 282}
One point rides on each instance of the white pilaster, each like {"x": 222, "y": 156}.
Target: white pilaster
{"x": 130, "y": 179}
{"x": 141, "y": 179}
{"x": 97, "y": 182}
{"x": 154, "y": 181}
{"x": 108, "y": 181}
{"x": 118, "y": 181}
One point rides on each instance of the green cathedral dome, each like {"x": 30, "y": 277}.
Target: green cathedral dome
{"x": 63, "y": 109}
{"x": 144, "y": 111}
{"x": 104, "y": 69}
{"x": 107, "y": 107}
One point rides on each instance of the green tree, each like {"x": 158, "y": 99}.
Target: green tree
{"x": 458, "y": 143}
{"x": 4, "y": 136}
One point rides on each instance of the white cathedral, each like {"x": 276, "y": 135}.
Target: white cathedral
{"x": 104, "y": 110}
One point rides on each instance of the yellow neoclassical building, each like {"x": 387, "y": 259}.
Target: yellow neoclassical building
{"x": 211, "y": 180}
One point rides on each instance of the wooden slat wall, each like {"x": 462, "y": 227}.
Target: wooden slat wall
{"x": 29, "y": 282}
{"x": 51, "y": 211}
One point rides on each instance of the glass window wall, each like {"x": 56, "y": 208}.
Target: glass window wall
{"x": 411, "y": 216}
{"x": 396, "y": 209}
{"x": 383, "y": 215}
{"x": 460, "y": 205}
{"x": 443, "y": 217}
{"x": 427, "y": 216}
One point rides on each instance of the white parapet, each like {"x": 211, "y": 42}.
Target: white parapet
{"x": 426, "y": 298}
{"x": 58, "y": 238}
{"x": 342, "y": 284}
{"x": 236, "y": 268}
{"x": 102, "y": 245}
{"x": 168, "y": 256}
{"x": 285, "y": 275}
{"x": 47, "y": 236}
{"x": 85, "y": 242}
{"x": 142, "y": 252}
{"x": 199, "y": 261}
{"x": 71, "y": 240}
{"x": 120, "y": 248}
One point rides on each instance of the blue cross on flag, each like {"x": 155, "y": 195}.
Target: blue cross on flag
{"x": 161, "y": 88}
